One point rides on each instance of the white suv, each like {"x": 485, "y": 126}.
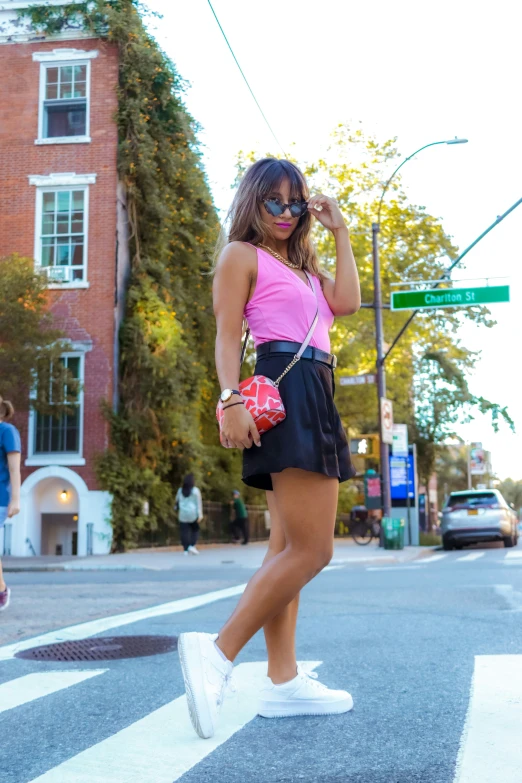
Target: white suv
{"x": 478, "y": 515}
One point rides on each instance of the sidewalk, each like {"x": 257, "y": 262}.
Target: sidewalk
{"x": 212, "y": 556}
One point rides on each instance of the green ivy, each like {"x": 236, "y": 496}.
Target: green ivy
{"x": 165, "y": 425}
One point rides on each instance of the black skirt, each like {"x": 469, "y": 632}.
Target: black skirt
{"x": 311, "y": 437}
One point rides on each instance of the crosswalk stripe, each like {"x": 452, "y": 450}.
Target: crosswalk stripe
{"x": 513, "y": 554}
{"x": 163, "y": 746}
{"x": 33, "y": 686}
{"x": 469, "y": 558}
{"x": 433, "y": 559}
{"x": 490, "y": 746}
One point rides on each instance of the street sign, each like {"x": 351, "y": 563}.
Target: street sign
{"x": 477, "y": 460}
{"x": 449, "y": 297}
{"x": 386, "y": 420}
{"x": 357, "y": 380}
{"x": 400, "y": 440}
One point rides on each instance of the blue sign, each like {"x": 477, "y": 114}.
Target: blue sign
{"x": 402, "y": 485}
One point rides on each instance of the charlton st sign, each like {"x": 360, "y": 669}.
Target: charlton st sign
{"x": 449, "y": 297}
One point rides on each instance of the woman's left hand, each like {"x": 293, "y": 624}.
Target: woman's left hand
{"x": 327, "y": 211}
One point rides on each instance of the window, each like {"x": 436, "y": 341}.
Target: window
{"x": 62, "y": 227}
{"x": 63, "y": 233}
{"x": 65, "y": 101}
{"x": 61, "y": 435}
{"x": 65, "y": 77}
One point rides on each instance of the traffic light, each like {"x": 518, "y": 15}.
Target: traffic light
{"x": 366, "y": 446}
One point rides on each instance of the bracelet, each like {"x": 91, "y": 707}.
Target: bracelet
{"x": 233, "y": 405}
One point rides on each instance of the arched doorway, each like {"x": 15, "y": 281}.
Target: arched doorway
{"x": 54, "y": 503}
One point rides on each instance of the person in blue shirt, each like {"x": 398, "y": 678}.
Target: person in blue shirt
{"x": 10, "y": 449}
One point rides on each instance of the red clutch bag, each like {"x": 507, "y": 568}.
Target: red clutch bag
{"x": 260, "y": 394}
{"x": 262, "y": 400}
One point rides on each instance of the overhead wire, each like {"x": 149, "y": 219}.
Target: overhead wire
{"x": 246, "y": 81}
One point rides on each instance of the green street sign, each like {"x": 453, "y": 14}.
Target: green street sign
{"x": 449, "y": 297}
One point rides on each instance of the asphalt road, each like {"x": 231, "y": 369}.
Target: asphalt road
{"x": 403, "y": 638}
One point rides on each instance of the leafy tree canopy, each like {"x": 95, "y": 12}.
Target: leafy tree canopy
{"x": 30, "y": 346}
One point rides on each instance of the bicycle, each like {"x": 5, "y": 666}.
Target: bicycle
{"x": 363, "y": 531}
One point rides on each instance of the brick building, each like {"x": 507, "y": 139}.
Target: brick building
{"x": 61, "y": 203}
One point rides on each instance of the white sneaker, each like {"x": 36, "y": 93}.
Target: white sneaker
{"x": 206, "y": 676}
{"x": 193, "y": 550}
{"x": 302, "y": 696}
{"x": 185, "y": 553}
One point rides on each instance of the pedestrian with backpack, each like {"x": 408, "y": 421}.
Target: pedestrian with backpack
{"x": 189, "y": 506}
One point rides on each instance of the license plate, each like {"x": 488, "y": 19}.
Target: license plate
{"x": 472, "y": 512}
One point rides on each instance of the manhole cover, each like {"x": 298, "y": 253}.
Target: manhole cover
{"x": 107, "y": 648}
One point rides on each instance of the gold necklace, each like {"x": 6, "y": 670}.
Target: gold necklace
{"x": 284, "y": 261}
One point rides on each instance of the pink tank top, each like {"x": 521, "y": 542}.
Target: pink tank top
{"x": 283, "y": 306}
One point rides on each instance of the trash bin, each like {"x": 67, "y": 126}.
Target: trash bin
{"x": 393, "y": 533}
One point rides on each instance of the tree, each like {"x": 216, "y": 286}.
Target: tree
{"x": 30, "y": 347}
{"x": 452, "y": 469}
{"x": 430, "y": 357}
{"x": 512, "y": 491}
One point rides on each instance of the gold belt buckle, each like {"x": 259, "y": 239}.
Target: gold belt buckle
{"x": 334, "y": 363}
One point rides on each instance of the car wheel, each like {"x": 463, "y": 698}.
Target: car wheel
{"x": 447, "y": 545}
{"x": 508, "y": 541}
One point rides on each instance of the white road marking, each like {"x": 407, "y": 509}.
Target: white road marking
{"x": 163, "y": 746}
{"x": 433, "y": 559}
{"x": 94, "y": 627}
{"x": 395, "y": 568}
{"x": 512, "y": 597}
{"x": 469, "y": 558}
{"x": 33, "y": 686}
{"x": 490, "y": 745}
{"x": 513, "y": 554}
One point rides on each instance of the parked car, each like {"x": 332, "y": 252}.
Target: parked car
{"x": 478, "y": 515}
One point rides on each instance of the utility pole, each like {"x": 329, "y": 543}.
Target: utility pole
{"x": 381, "y": 377}
{"x": 379, "y": 333}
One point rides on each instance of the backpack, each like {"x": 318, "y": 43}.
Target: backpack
{"x": 187, "y": 507}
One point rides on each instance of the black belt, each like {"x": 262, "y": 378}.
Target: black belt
{"x": 282, "y": 346}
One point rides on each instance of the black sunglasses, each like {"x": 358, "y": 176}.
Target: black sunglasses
{"x": 275, "y": 207}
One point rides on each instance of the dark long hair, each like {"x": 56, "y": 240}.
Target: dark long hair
{"x": 260, "y": 180}
{"x": 188, "y": 485}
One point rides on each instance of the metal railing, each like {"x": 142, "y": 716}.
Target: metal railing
{"x": 215, "y": 528}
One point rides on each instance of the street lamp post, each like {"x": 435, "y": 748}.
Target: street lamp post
{"x": 379, "y": 333}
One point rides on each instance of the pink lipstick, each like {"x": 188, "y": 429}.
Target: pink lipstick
{"x": 283, "y": 225}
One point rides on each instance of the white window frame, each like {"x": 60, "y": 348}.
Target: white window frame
{"x": 56, "y": 59}
{"x": 51, "y": 184}
{"x": 59, "y": 458}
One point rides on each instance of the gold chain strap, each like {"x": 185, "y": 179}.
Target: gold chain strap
{"x": 292, "y": 364}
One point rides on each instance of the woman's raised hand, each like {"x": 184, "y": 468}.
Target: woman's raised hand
{"x": 327, "y": 212}
{"x": 239, "y": 430}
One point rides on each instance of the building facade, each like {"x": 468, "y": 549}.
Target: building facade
{"x": 61, "y": 203}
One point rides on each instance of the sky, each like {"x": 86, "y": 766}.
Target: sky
{"x": 421, "y": 72}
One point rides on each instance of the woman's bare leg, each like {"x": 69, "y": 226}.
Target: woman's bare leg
{"x": 307, "y": 504}
{"x": 280, "y": 631}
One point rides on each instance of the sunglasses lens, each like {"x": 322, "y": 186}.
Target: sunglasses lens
{"x": 274, "y": 207}
{"x": 296, "y": 210}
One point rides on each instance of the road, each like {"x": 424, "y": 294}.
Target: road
{"x": 407, "y": 639}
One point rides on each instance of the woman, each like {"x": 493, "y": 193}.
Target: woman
{"x": 190, "y": 513}
{"x": 9, "y": 480}
{"x": 261, "y": 275}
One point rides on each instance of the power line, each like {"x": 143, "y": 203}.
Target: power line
{"x": 246, "y": 80}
